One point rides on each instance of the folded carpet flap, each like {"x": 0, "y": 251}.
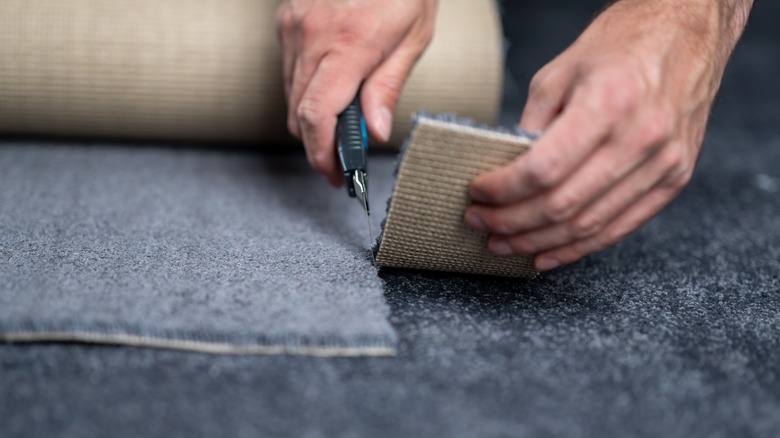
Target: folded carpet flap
{"x": 424, "y": 228}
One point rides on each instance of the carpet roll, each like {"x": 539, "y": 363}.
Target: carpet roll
{"x": 204, "y": 69}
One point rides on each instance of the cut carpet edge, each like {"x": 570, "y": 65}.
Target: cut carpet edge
{"x": 444, "y": 167}
{"x": 235, "y": 304}
{"x": 194, "y": 346}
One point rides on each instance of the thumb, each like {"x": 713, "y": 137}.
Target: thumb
{"x": 381, "y": 91}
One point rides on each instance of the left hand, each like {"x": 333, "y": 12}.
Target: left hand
{"x": 624, "y": 111}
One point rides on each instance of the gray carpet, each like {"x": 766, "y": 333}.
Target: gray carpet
{"x": 184, "y": 249}
{"x": 675, "y": 332}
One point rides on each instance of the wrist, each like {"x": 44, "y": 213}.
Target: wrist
{"x": 702, "y": 26}
{"x": 739, "y": 12}
{"x": 726, "y": 18}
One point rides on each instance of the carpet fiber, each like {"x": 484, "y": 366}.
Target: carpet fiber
{"x": 673, "y": 333}
{"x": 217, "y": 252}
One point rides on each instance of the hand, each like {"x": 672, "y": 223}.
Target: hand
{"x": 330, "y": 47}
{"x": 624, "y": 111}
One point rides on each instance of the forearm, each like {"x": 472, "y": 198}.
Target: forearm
{"x": 720, "y": 22}
{"x": 684, "y": 41}
{"x": 736, "y": 13}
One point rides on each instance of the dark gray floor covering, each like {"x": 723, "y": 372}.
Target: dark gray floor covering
{"x": 675, "y": 332}
{"x": 185, "y": 249}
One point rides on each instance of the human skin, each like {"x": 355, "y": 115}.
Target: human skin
{"x": 624, "y": 110}
{"x": 330, "y": 47}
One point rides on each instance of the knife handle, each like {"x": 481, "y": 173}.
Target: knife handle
{"x": 352, "y": 142}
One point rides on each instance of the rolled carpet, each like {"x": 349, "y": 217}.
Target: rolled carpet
{"x": 204, "y": 69}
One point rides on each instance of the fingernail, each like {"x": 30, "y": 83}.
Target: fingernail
{"x": 547, "y": 264}
{"x": 475, "y": 222}
{"x": 384, "y": 124}
{"x": 500, "y": 248}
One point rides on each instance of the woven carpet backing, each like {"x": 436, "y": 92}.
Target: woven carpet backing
{"x": 204, "y": 69}
{"x": 425, "y": 227}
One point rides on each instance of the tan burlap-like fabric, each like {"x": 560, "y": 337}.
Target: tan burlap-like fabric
{"x": 425, "y": 227}
{"x": 203, "y": 69}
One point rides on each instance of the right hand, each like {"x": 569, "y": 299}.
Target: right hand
{"x": 330, "y": 47}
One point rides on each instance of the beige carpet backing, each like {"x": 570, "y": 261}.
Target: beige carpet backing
{"x": 203, "y": 69}
{"x": 425, "y": 227}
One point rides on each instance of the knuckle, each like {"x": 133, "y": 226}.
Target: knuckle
{"x": 284, "y": 18}
{"x": 544, "y": 173}
{"x": 539, "y": 89}
{"x": 587, "y": 225}
{"x": 672, "y": 161}
{"x": 499, "y": 224}
{"x": 391, "y": 85}
{"x": 421, "y": 35}
{"x": 352, "y": 33}
{"x": 308, "y": 112}
{"x": 670, "y": 158}
{"x": 624, "y": 89}
{"x": 310, "y": 27}
{"x": 537, "y": 84}
{"x": 318, "y": 158}
{"x": 318, "y": 163}
{"x": 681, "y": 175}
{"x": 292, "y": 126}
{"x": 621, "y": 97}
{"x": 523, "y": 246}
{"x": 613, "y": 236}
{"x": 560, "y": 208}
{"x": 426, "y": 37}
{"x": 657, "y": 130}
{"x": 572, "y": 253}
{"x": 683, "y": 179}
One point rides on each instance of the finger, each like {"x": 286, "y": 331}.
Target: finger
{"x": 585, "y": 125}
{"x": 382, "y": 90}
{"x": 631, "y": 219}
{"x": 546, "y": 95}
{"x": 330, "y": 91}
{"x": 290, "y": 55}
{"x": 303, "y": 68}
{"x": 633, "y": 149}
{"x": 286, "y": 36}
{"x": 593, "y": 219}
{"x": 559, "y": 205}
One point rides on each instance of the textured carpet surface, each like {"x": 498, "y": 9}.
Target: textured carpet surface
{"x": 674, "y": 332}
{"x": 186, "y": 249}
